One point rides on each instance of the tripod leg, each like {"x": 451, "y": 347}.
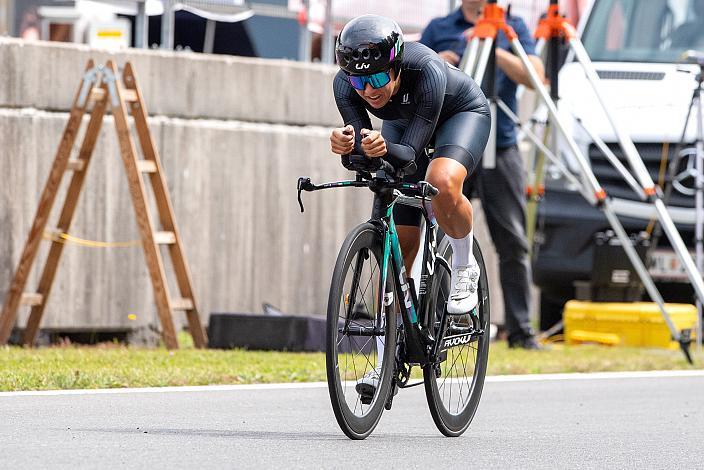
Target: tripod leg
{"x": 539, "y": 45}
{"x": 626, "y": 143}
{"x": 469, "y": 60}
{"x": 536, "y": 180}
{"x": 599, "y": 198}
{"x": 554, "y": 159}
{"x": 539, "y": 87}
{"x": 615, "y": 162}
{"x": 699, "y": 204}
{"x": 483, "y": 60}
{"x": 489, "y": 157}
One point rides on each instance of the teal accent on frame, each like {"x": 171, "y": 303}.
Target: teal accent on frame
{"x": 385, "y": 266}
{"x": 392, "y": 237}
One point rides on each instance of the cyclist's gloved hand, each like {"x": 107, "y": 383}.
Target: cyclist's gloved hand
{"x": 373, "y": 144}
{"x": 342, "y": 140}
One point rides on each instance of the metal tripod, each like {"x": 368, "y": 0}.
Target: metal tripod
{"x": 480, "y": 57}
{"x": 695, "y": 172}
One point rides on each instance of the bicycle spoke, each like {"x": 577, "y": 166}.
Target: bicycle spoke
{"x": 457, "y": 376}
{"x": 469, "y": 386}
{"x": 366, "y": 306}
{"x": 357, "y": 402}
{"x": 366, "y": 357}
{"x": 359, "y": 328}
{"x": 354, "y": 364}
{"x": 453, "y": 363}
{"x": 461, "y": 384}
{"x": 453, "y": 385}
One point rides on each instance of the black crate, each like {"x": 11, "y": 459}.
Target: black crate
{"x": 613, "y": 277}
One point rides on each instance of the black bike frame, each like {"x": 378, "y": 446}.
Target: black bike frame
{"x": 415, "y": 312}
{"x": 421, "y": 347}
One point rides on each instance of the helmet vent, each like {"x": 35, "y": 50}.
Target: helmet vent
{"x": 369, "y": 44}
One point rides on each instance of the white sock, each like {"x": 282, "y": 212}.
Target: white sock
{"x": 380, "y": 344}
{"x": 379, "y": 351}
{"x": 461, "y": 249}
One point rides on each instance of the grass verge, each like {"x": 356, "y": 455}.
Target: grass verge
{"x": 109, "y": 366}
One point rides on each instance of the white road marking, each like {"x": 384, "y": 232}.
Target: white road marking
{"x": 286, "y": 386}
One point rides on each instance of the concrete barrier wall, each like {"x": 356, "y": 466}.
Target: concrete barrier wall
{"x": 233, "y": 133}
{"x": 46, "y": 75}
{"x": 233, "y": 186}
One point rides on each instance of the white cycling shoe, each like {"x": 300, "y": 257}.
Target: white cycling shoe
{"x": 367, "y": 385}
{"x": 463, "y": 296}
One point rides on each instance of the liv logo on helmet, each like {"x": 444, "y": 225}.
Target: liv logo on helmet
{"x": 368, "y": 61}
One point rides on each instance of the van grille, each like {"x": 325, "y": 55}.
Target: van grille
{"x": 616, "y": 186}
{"x": 626, "y": 75}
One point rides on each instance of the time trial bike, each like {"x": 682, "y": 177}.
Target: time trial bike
{"x": 379, "y": 328}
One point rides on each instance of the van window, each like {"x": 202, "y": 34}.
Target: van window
{"x": 638, "y": 31}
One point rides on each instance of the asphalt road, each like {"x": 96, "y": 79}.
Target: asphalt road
{"x": 613, "y": 422}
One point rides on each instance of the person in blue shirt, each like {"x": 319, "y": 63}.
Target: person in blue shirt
{"x": 501, "y": 189}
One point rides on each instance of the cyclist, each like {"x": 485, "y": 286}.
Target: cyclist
{"x": 420, "y": 99}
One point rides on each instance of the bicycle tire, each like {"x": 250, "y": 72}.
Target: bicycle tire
{"x": 354, "y": 420}
{"x": 449, "y": 423}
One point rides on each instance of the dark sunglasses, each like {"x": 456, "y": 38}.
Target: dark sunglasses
{"x": 376, "y": 80}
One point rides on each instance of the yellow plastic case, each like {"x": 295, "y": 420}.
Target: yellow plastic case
{"x": 625, "y": 324}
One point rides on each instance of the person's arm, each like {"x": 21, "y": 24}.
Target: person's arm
{"x": 429, "y": 94}
{"x": 512, "y": 65}
{"x": 350, "y": 106}
{"x": 514, "y": 69}
{"x": 428, "y": 39}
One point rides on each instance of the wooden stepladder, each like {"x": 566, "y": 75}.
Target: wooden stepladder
{"x": 102, "y": 88}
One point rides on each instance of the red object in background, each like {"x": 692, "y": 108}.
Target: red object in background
{"x": 302, "y": 17}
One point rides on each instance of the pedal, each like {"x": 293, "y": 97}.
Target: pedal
{"x": 366, "y": 392}
{"x": 360, "y": 312}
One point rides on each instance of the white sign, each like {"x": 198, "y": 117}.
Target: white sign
{"x": 114, "y": 34}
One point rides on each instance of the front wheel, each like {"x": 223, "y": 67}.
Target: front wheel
{"x": 361, "y": 333}
{"x": 453, "y": 384}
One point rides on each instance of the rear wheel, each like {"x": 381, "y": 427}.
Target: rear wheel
{"x": 360, "y": 330}
{"x": 453, "y": 385}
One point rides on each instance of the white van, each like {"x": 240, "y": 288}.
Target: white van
{"x": 636, "y": 47}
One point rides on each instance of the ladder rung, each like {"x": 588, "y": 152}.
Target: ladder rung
{"x": 97, "y": 94}
{"x": 146, "y": 166}
{"x": 32, "y": 299}
{"x": 76, "y": 165}
{"x": 182, "y": 304}
{"x": 164, "y": 238}
{"x": 129, "y": 94}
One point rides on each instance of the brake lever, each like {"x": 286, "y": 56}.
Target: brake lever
{"x": 304, "y": 184}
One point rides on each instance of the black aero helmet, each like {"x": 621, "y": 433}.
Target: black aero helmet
{"x": 369, "y": 44}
